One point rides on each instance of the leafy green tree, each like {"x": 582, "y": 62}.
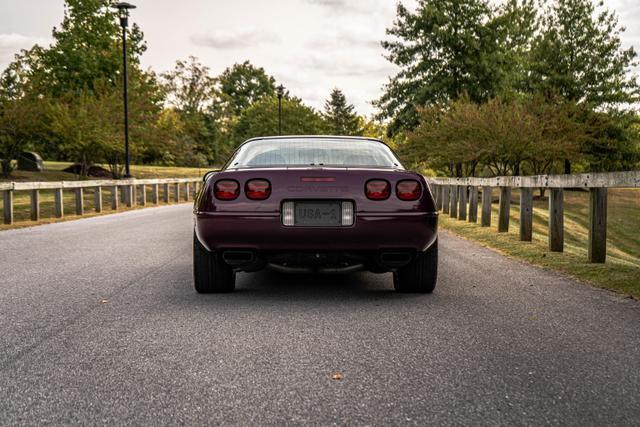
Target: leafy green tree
{"x": 240, "y": 86}
{"x": 87, "y": 127}
{"x": 340, "y": 115}
{"x": 190, "y": 86}
{"x": 21, "y": 124}
{"x": 445, "y": 49}
{"x": 86, "y": 49}
{"x": 579, "y": 56}
{"x": 515, "y": 23}
{"x": 261, "y": 119}
{"x": 193, "y": 92}
{"x": 497, "y": 137}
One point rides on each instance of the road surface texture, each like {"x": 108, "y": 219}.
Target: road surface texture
{"x": 99, "y": 324}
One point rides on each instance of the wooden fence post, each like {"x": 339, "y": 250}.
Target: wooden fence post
{"x": 154, "y": 194}
{"x": 445, "y": 198}
{"x": 526, "y": 214}
{"x": 176, "y": 194}
{"x": 453, "y": 210}
{"x": 114, "y": 197}
{"x": 143, "y": 195}
{"x": 487, "y": 196}
{"x": 35, "y": 205}
{"x": 438, "y": 196}
{"x": 473, "y": 203}
{"x": 7, "y": 206}
{"x": 556, "y": 220}
{"x": 462, "y": 202}
{"x": 597, "y": 225}
{"x": 58, "y": 200}
{"x": 134, "y": 194}
{"x": 504, "y": 210}
{"x": 97, "y": 199}
{"x": 165, "y": 193}
{"x": 128, "y": 199}
{"x": 186, "y": 191}
{"x": 79, "y": 201}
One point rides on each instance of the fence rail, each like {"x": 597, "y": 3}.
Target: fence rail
{"x": 130, "y": 192}
{"x": 458, "y": 197}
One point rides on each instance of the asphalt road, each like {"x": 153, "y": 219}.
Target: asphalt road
{"x": 99, "y": 324}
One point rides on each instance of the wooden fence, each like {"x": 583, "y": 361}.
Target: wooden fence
{"x": 458, "y": 197}
{"x": 129, "y": 192}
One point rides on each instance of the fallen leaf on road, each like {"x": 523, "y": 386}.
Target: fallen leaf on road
{"x": 104, "y": 301}
{"x": 337, "y": 376}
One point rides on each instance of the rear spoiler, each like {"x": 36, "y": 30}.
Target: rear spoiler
{"x": 209, "y": 174}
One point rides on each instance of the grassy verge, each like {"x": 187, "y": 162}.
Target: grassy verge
{"x": 620, "y": 273}
{"x": 53, "y": 172}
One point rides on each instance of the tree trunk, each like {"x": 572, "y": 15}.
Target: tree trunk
{"x": 6, "y": 168}
{"x": 567, "y": 166}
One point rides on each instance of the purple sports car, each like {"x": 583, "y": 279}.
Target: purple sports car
{"x": 325, "y": 204}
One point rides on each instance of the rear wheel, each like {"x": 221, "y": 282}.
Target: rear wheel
{"x": 421, "y": 274}
{"x": 210, "y": 273}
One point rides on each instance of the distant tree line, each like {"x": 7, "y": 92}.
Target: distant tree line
{"x": 523, "y": 87}
{"x": 520, "y": 88}
{"x": 65, "y": 101}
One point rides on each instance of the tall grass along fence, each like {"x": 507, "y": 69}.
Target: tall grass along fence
{"x": 459, "y": 198}
{"x": 128, "y": 192}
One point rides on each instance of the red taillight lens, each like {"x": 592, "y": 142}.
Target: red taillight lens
{"x": 257, "y": 189}
{"x": 378, "y": 189}
{"x": 408, "y": 189}
{"x": 226, "y": 189}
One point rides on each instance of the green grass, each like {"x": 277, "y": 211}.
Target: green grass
{"x": 620, "y": 273}
{"x": 53, "y": 172}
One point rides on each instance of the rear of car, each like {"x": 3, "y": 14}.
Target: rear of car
{"x": 315, "y": 204}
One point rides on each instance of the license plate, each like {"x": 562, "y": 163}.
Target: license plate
{"x": 318, "y": 213}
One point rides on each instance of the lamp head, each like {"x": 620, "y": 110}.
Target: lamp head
{"x": 123, "y": 11}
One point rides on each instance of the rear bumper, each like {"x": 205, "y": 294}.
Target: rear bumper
{"x": 265, "y": 233}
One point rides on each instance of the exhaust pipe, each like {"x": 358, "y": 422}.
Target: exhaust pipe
{"x": 395, "y": 259}
{"x": 238, "y": 258}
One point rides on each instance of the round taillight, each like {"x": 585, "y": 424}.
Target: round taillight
{"x": 378, "y": 189}
{"x": 226, "y": 189}
{"x": 257, "y": 189}
{"x": 408, "y": 189}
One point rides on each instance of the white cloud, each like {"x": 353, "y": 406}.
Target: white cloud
{"x": 234, "y": 39}
{"x": 11, "y": 44}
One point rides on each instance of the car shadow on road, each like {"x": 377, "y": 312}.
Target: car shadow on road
{"x": 274, "y": 283}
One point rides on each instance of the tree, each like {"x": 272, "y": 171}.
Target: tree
{"x": 498, "y": 137}
{"x": 261, "y": 119}
{"x": 240, "y": 86}
{"x": 515, "y": 23}
{"x": 190, "y": 87}
{"x": 21, "y": 123}
{"x": 444, "y": 49}
{"x": 86, "y": 50}
{"x": 579, "y": 56}
{"x": 340, "y": 116}
{"x": 193, "y": 92}
{"x": 87, "y": 127}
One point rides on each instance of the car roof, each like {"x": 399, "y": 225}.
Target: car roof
{"x": 349, "y": 138}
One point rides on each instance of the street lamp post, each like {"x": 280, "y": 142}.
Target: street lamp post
{"x": 280, "y": 94}
{"x": 123, "y": 13}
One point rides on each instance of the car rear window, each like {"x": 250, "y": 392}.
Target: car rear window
{"x": 314, "y": 152}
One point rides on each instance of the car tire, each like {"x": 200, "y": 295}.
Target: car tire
{"x": 421, "y": 274}
{"x": 210, "y": 273}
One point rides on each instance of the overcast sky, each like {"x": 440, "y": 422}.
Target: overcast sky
{"x": 310, "y": 46}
